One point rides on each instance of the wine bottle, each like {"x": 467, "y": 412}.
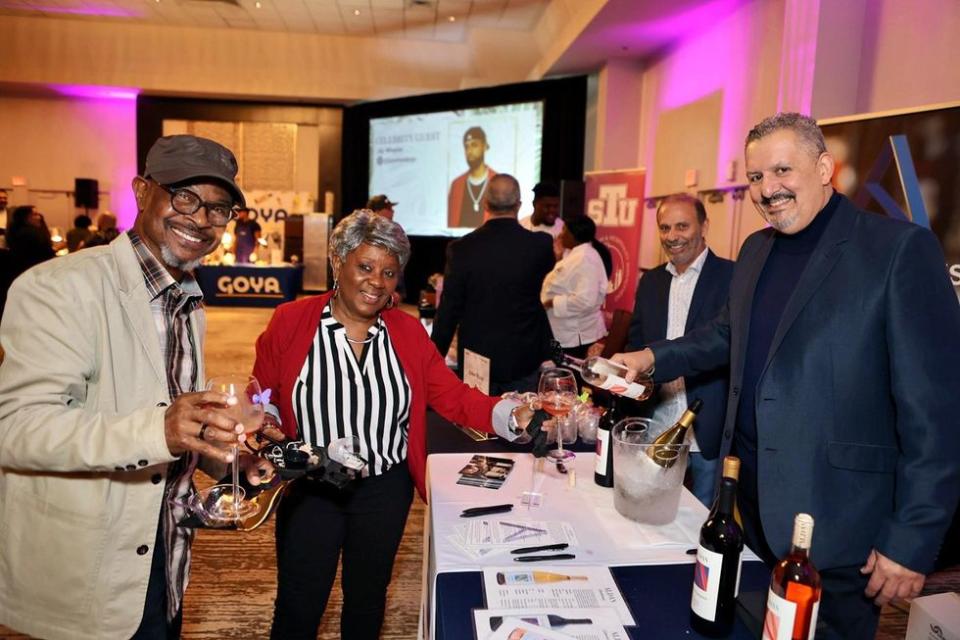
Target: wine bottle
{"x": 794, "y": 597}
{"x": 551, "y": 621}
{"x": 531, "y": 577}
{"x": 731, "y": 469}
{"x": 603, "y": 468}
{"x": 666, "y": 449}
{"x": 716, "y": 579}
{"x": 609, "y": 375}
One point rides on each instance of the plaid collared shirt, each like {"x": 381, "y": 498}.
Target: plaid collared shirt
{"x": 172, "y": 303}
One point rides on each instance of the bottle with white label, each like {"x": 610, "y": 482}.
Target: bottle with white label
{"x": 794, "y": 597}
{"x": 716, "y": 579}
{"x": 609, "y": 375}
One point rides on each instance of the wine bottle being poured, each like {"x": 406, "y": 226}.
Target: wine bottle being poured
{"x": 606, "y": 374}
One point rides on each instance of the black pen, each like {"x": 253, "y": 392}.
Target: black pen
{"x": 484, "y": 511}
{"x": 556, "y": 556}
{"x": 546, "y": 547}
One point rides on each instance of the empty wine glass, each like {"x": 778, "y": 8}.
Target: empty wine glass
{"x": 558, "y": 394}
{"x": 248, "y": 411}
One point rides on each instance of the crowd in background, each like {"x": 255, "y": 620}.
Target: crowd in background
{"x": 26, "y": 240}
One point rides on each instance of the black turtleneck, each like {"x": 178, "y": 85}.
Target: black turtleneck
{"x": 781, "y": 273}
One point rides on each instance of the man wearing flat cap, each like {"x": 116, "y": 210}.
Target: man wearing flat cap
{"x": 465, "y": 199}
{"x": 381, "y": 205}
{"x": 102, "y": 421}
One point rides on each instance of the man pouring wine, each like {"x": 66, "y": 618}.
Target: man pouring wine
{"x": 841, "y": 331}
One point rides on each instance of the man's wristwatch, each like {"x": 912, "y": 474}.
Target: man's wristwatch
{"x": 512, "y": 425}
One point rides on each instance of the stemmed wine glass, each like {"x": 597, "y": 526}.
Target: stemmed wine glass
{"x": 558, "y": 393}
{"x": 248, "y": 411}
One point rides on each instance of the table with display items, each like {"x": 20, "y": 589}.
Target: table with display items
{"x": 249, "y": 285}
{"x": 652, "y": 566}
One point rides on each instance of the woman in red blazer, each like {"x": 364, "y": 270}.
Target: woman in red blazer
{"x": 348, "y": 363}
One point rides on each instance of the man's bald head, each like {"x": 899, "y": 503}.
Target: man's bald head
{"x": 503, "y": 195}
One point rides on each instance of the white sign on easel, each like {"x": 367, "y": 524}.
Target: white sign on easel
{"x": 476, "y": 371}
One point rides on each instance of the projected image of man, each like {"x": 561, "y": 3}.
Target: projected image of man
{"x": 465, "y": 200}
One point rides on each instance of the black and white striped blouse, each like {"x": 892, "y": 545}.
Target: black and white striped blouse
{"x": 338, "y": 395}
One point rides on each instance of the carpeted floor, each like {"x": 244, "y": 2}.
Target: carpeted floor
{"x": 233, "y": 581}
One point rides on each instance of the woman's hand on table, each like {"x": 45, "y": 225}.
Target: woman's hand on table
{"x": 536, "y": 424}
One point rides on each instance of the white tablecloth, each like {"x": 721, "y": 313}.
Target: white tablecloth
{"x": 604, "y": 537}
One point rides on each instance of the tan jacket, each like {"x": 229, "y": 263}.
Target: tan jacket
{"x": 82, "y": 447}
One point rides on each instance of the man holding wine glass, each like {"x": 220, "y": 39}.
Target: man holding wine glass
{"x": 102, "y": 417}
{"x": 350, "y": 364}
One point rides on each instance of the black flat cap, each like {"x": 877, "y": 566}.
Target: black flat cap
{"x": 174, "y": 159}
{"x": 380, "y": 202}
{"x": 475, "y": 133}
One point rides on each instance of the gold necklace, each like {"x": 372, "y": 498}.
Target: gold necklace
{"x": 345, "y": 334}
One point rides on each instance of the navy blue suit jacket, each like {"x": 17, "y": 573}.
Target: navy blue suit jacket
{"x": 491, "y": 291}
{"x": 649, "y": 324}
{"x": 859, "y": 400}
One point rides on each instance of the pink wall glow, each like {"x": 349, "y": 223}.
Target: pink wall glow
{"x": 109, "y": 116}
{"x": 693, "y": 21}
{"x": 95, "y": 9}
{"x": 731, "y": 57}
{"x": 95, "y": 91}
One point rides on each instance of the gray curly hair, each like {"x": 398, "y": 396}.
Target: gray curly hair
{"x": 806, "y": 128}
{"x": 365, "y": 226}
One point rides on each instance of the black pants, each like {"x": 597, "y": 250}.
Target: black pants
{"x": 845, "y": 612}
{"x": 154, "y": 624}
{"x": 315, "y": 522}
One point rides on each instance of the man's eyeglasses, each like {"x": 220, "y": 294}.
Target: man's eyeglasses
{"x": 187, "y": 203}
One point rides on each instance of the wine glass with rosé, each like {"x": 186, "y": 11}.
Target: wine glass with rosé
{"x": 246, "y": 406}
{"x": 558, "y": 394}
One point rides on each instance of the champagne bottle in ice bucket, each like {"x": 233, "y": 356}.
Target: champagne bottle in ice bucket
{"x": 665, "y": 450}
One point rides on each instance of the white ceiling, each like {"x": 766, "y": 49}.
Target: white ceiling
{"x": 441, "y": 20}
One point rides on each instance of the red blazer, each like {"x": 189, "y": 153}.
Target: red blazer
{"x": 283, "y": 347}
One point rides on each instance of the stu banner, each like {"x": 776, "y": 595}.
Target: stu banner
{"x": 614, "y": 199}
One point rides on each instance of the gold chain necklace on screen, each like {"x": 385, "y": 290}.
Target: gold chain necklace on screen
{"x": 476, "y": 201}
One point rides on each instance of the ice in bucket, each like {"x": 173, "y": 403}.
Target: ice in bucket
{"x": 643, "y": 490}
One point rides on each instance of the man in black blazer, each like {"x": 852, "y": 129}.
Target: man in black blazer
{"x": 683, "y": 293}
{"x": 842, "y": 333}
{"x": 491, "y": 291}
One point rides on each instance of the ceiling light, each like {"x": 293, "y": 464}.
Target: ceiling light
{"x": 452, "y": 18}
{"x": 257, "y": 4}
{"x": 356, "y": 12}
